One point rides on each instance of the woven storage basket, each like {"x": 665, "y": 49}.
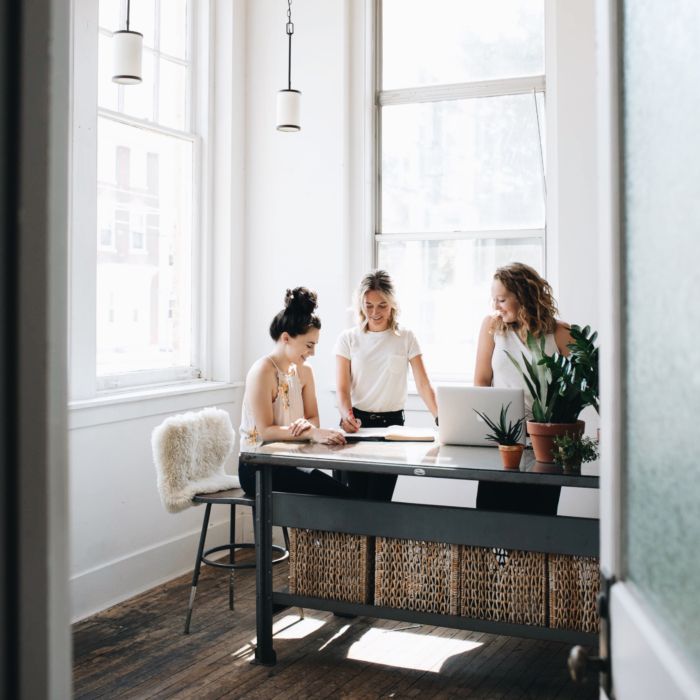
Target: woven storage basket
{"x": 414, "y": 575}
{"x": 331, "y": 565}
{"x": 573, "y": 589}
{"x": 504, "y": 585}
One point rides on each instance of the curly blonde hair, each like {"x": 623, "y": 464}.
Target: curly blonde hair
{"x": 538, "y": 310}
{"x": 377, "y": 281}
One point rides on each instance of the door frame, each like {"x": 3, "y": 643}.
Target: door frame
{"x": 646, "y": 661}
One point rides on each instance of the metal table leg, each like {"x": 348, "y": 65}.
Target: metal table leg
{"x": 264, "y": 653}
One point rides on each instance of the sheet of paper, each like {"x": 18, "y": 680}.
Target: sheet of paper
{"x": 394, "y": 432}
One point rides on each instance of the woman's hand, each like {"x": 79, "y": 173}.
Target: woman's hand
{"x": 349, "y": 423}
{"x": 299, "y": 426}
{"x": 324, "y": 436}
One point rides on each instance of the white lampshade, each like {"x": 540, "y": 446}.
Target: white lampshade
{"x": 288, "y": 110}
{"x": 127, "y": 57}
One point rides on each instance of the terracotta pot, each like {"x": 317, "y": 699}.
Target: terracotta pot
{"x": 510, "y": 455}
{"x": 542, "y": 435}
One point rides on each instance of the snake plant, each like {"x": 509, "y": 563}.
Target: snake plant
{"x": 504, "y": 432}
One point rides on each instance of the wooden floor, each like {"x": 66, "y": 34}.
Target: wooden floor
{"x": 137, "y": 650}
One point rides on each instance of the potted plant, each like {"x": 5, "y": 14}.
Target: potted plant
{"x": 561, "y": 387}
{"x": 507, "y": 435}
{"x": 570, "y": 451}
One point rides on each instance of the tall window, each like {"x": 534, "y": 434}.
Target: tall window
{"x": 147, "y": 153}
{"x": 461, "y": 187}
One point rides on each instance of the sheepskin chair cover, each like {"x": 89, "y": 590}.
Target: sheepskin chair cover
{"x": 189, "y": 451}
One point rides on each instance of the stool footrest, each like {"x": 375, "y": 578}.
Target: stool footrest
{"x": 284, "y": 555}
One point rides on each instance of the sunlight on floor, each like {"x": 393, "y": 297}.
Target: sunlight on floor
{"x": 408, "y": 650}
{"x": 287, "y": 627}
{"x": 293, "y": 627}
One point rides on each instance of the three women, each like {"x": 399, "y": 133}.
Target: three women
{"x": 372, "y": 361}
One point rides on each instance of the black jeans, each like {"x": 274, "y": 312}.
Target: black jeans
{"x": 294, "y": 480}
{"x": 374, "y": 487}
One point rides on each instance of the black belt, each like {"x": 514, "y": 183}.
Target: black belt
{"x": 385, "y": 417}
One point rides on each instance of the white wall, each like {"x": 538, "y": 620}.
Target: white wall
{"x": 297, "y": 182}
{"x": 302, "y": 218}
{"x": 122, "y": 539}
{"x": 572, "y": 208}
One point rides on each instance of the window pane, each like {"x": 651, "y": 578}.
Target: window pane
{"x": 444, "y": 290}
{"x": 144, "y": 281}
{"x": 462, "y": 165}
{"x": 143, "y": 15}
{"x": 453, "y": 41}
{"x": 173, "y": 28}
{"x": 138, "y": 99}
{"x": 172, "y": 95}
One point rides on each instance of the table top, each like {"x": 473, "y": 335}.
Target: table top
{"x": 420, "y": 459}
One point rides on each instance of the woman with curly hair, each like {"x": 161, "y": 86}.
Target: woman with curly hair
{"x": 523, "y": 302}
{"x": 280, "y": 399}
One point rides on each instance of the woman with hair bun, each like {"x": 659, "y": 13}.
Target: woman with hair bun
{"x": 280, "y": 399}
{"x": 523, "y": 302}
{"x": 372, "y": 361}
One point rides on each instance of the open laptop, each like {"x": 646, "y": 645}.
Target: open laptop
{"x": 460, "y": 425}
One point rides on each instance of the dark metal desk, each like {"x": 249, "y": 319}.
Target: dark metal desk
{"x": 562, "y": 535}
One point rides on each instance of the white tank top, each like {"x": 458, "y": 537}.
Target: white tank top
{"x": 286, "y": 408}
{"x": 505, "y": 375}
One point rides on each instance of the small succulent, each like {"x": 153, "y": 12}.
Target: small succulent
{"x": 504, "y": 432}
{"x": 571, "y": 451}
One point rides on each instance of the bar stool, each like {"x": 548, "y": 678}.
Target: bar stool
{"x": 232, "y": 498}
{"x": 189, "y": 453}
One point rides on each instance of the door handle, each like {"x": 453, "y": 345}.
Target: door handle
{"x": 580, "y": 664}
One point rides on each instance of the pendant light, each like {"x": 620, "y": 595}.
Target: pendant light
{"x": 289, "y": 101}
{"x": 127, "y": 54}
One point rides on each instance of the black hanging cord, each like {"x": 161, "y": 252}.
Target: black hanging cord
{"x": 128, "y": 8}
{"x": 290, "y": 31}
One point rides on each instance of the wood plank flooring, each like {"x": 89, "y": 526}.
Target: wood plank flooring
{"x": 137, "y": 650}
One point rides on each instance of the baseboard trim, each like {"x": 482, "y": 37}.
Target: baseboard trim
{"x": 118, "y": 580}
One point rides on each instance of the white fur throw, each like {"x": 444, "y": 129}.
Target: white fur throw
{"x": 189, "y": 451}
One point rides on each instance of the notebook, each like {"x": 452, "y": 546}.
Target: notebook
{"x": 460, "y": 425}
{"x": 393, "y": 433}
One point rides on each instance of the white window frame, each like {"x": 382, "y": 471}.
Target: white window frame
{"x": 534, "y": 85}
{"x": 85, "y": 385}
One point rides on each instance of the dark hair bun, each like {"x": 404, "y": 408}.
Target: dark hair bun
{"x": 298, "y": 316}
{"x": 300, "y": 300}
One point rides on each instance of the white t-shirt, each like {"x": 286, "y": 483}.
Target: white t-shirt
{"x": 379, "y": 367}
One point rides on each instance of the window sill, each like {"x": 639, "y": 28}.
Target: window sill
{"x": 117, "y": 406}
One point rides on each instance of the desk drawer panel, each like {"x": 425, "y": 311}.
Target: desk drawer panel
{"x": 505, "y": 585}
{"x": 573, "y": 588}
{"x": 416, "y": 575}
{"x": 331, "y": 565}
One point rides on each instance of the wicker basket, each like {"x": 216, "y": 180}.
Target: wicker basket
{"x": 330, "y": 565}
{"x": 414, "y": 575}
{"x": 573, "y": 589}
{"x": 504, "y": 585}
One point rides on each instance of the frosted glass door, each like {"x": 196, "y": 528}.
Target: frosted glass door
{"x": 660, "y": 193}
